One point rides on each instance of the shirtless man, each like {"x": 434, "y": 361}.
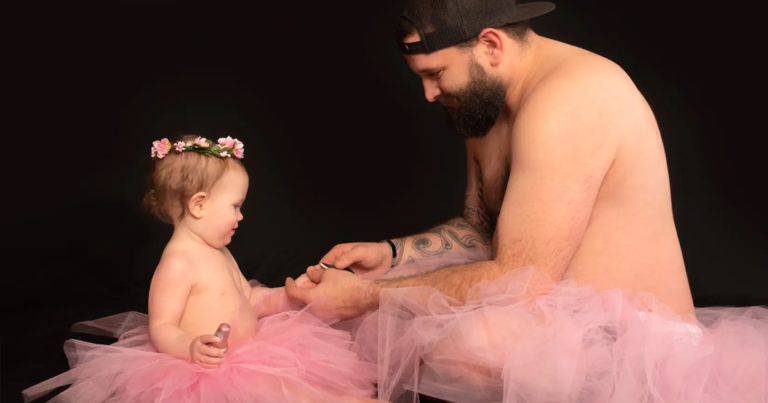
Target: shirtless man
{"x": 566, "y": 167}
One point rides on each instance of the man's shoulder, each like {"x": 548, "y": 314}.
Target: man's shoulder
{"x": 583, "y": 89}
{"x": 578, "y": 106}
{"x": 582, "y": 77}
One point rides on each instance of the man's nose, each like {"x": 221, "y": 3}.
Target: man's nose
{"x": 431, "y": 91}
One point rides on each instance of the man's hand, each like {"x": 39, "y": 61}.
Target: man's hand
{"x": 304, "y": 282}
{"x": 369, "y": 260}
{"x": 337, "y": 293}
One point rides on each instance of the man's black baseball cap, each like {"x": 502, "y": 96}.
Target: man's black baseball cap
{"x": 445, "y": 23}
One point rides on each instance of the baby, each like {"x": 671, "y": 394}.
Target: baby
{"x": 277, "y": 351}
{"x": 197, "y": 284}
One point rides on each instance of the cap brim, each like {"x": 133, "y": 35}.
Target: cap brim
{"x": 526, "y": 11}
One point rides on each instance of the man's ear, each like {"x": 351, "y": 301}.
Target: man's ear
{"x": 196, "y": 204}
{"x": 491, "y": 45}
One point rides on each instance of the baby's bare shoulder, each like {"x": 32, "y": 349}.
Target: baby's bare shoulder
{"x": 174, "y": 268}
{"x": 180, "y": 262}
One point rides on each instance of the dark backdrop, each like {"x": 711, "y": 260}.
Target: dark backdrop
{"x": 340, "y": 142}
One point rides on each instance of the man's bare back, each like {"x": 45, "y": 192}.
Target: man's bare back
{"x": 631, "y": 241}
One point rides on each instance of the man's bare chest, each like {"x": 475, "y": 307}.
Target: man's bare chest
{"x": 494, "y": 171}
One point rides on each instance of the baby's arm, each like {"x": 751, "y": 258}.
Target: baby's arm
{"x": 168, "y": 293}
{"x": 270, "y": 301}
{"x": 265, "y": 301}
{"x": 252, "y": 290}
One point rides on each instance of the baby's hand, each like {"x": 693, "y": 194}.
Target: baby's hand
{"x": 204, "y": 355}
{"x": 304, "y": 282}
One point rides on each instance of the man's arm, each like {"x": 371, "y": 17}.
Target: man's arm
{"x": 472, "y": 232}
{"x": 457, "y": 235}
{"x": 462, "y": 239}
{"x": 563, "y": 145}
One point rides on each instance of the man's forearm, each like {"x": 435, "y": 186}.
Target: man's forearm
{"x": 454, "y": 281}
{"x": 457, "y": 235}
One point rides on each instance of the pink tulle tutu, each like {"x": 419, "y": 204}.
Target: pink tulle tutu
{"x": 293, "y": 357}
{"x": 570, "y": 345}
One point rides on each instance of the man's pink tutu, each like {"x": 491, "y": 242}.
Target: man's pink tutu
{"x": 293, "y": 357}
{"x": 571, "y": 345}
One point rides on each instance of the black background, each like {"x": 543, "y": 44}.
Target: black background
{"x": 340, "y": 142}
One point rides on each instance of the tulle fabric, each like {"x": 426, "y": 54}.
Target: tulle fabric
{"x": 569, "y": 345}
{"x": 293, "y": 357}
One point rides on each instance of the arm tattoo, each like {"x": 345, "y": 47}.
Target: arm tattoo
{"x": 399, "y": 249}
{"x": 448, "y": 237}
{"x": 455, "y": 233}
{"x": 472, "y": 232}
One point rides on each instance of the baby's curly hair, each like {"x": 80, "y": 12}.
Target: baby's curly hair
{"x": 174, "y": 179}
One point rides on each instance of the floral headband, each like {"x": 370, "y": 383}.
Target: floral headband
{"x": 226, "y": 147}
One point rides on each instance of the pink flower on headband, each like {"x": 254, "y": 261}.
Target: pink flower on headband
{"x": 180, "y": 146}
{"x": 201, "y": 142}
{"x": 239, "y": 149}
{"x": 161, "y": 148}
{"x": 154, "y": 152}
{"x": 228, "y": 142}
{"x": 225, "y": 154}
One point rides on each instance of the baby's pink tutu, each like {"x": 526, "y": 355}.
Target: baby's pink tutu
{"x": 293, "y": 357}
{"x": 571, "y": 345}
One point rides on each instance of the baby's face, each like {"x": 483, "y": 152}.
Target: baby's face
{"x": 222, "y": 209}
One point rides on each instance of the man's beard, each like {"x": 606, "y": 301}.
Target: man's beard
{"x": 473, "y": 110}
